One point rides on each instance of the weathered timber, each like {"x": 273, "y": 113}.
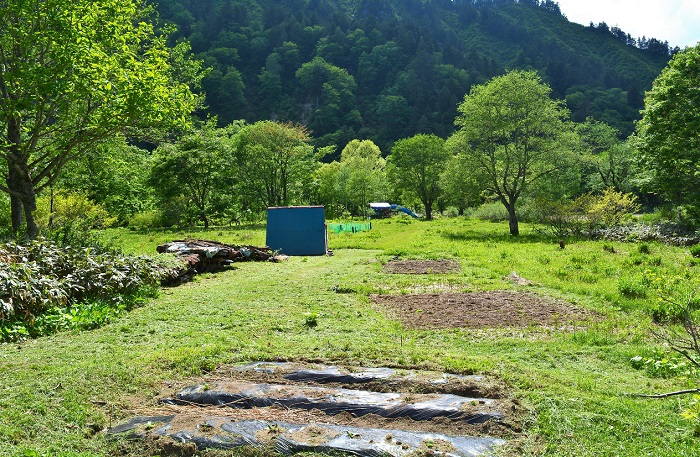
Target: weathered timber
{"x": 204, "y": 256}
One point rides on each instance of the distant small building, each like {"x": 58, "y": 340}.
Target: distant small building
{"x": 297, "y": 230}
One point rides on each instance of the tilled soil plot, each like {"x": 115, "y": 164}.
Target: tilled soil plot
{"x": 493, "y": 309}
{"x": 422, "y": 267}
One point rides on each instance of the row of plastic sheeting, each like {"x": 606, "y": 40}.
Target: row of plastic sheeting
{"x": 288, "y": 438}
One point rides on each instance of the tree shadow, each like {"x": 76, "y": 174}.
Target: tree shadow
{"x": 497, "y": 237}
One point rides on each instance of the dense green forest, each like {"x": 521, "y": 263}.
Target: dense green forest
{"x": 388, "y": 69}
{"x": 218, "y": 109}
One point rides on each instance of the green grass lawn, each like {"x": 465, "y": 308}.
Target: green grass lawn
{"x": 57, "y": 392}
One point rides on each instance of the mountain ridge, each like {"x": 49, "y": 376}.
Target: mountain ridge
{"x": 388, "y": 69}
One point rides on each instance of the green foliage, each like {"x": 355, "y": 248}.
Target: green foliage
{"x": 667, "y": 140}
{"x": 606, "y": 159}
{"x": 415, "y": 166}
{"x": 631, "y": 287}
{"x": 659, "y": 364}
{"x": 695, "y": 250}
{"x": 586, "y": 214}
{"x": 41, "y": 275}
{"x": 692, "y": 414}
{"x": 114, "y": 175}
{"x": 351, "y": 184}
{"x": 513, "y": 134}
{"x": 194, "y": 172}
{"x": 389, "y": 70}
{"x": 275, "y": 163}
{"x": 494, "y": 212}
{"x": 85, "y": 315}
{"x": 76, "y": 74}
{"x": 65, "y": 210}
{"x": 150, "y": 219}
{"x": 609, "y": 208}
{"x": 461, "y": 185}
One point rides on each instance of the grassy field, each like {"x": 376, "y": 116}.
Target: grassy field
{"x": 57, "y": 393}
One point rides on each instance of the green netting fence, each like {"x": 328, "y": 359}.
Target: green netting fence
{"x": 352, "y": 227}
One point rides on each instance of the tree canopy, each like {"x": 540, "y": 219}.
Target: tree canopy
{"x": 669, "y": 132}
{"x": 415, "y": 165}
{"x": 513, "y": 134}
{"x": 273, "y": 159}
{"x": 352, "y": 69}
{"x": 195, "y": 172}
{"x": 75, "y": 73}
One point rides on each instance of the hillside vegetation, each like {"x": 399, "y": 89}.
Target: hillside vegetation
{"x": 389, "y": 69}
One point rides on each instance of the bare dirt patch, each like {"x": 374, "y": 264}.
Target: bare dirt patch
{"x": 495, "y": 309}
{"x": 422, "y": 267}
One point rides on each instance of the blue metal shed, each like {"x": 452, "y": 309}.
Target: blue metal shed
{"x": 297, "y": 230}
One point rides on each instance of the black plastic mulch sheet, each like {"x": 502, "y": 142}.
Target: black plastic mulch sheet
{"x": 335, "y": 401}
{"x": 330, "y": 373}
{"x": 291, "y": 438}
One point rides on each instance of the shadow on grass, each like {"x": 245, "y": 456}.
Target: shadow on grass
{"x": 504, "y": 237}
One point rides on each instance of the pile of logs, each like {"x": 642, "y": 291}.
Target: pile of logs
{"x": 202, "y": 256}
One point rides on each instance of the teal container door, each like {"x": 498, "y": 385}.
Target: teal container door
{"x": 297, "y": 230}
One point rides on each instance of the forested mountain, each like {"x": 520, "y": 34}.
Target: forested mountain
{"x": 388, "y": 69}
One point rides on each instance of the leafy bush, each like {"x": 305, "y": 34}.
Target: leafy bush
{"x": 71, "y": 209}
{"x": 610, "y": 208}
{"x": 40, "y": 275}
{"x": 631, "y": 289}
{"x": 644, "y": 248}
{"x": 148, "y": 219}
{"x": 494, "y": 212}
{"x": 585, "y": 214}
{"x": 660, "y": 365}
{"x": 695, "y": 250}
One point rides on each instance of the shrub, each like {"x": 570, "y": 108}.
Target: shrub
{"x": 71, "y": 209}
{"x": 586, "y": 213}
{"x": 40, "y": 275}
{"x": 494, "y": 212}
{"x": 660, "y": 365}
{"x": 631, "y": 289}
{"x": 610, "y": 208}
{"x": 695, "y": 250}
{"x": 148, "y": 219}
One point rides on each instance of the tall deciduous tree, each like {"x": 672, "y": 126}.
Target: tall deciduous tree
{"x": 669, "y": 132}
{"x": 513, "y": 133}
{"x": 607, "y": 158}
{"x": 272, "y": 158}
{"x": 416, "y": 165}
{"x": 74, "y": 73}
{"x": 357, "y": 179}
{"x": 197, "y": 167}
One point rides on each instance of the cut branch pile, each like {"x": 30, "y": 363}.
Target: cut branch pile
{"x": 202, "y": 256}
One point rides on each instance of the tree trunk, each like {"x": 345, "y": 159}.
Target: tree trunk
{"x": 15, "y": 202}
{"x": 428, "y": 210}
{"x": 16, "y": 214}
{"x": 29, "y": 208}
{"x": 513, "y": 220}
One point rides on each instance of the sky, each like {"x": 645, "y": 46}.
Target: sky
{"x": 675, "y": 21}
